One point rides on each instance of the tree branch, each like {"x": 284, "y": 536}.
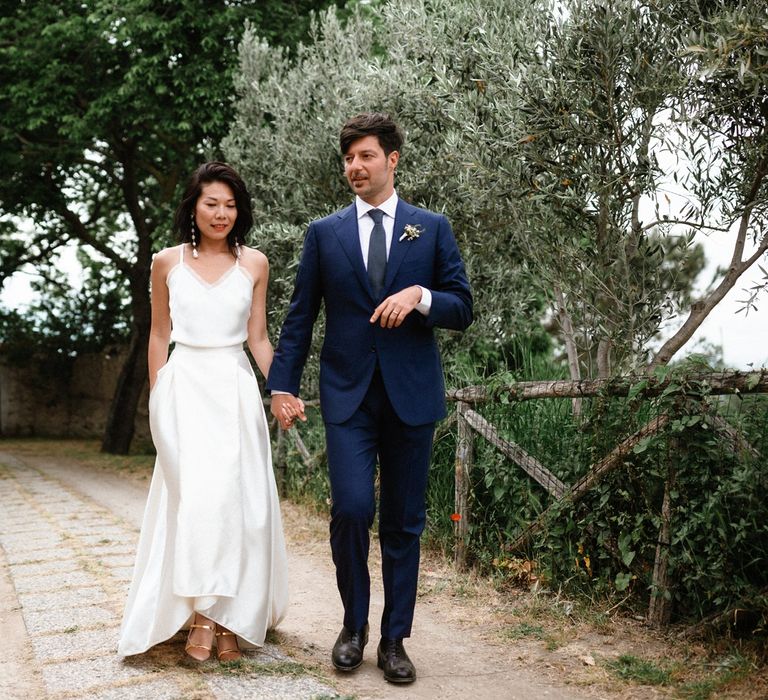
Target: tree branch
{"x": 702, "y": 308}
{"x": 685, "y": 222}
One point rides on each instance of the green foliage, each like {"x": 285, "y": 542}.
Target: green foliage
{"x": 63, "y": 323}
{"x": 416, "y": 62}
{"x": 708, "y": 457}
{"x": 548, "y": 133}
{"x": 641, "y": 671}
{"x": 580, "y": 149}
{"x": 106, "y": 109}
{"x": 594, "y": 101}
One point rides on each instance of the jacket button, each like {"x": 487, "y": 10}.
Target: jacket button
{"x": 373, "y": 348}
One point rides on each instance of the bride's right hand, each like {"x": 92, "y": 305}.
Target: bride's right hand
{"x": 287, "y": 408}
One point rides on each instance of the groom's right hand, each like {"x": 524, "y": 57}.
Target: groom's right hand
{"x": 287, "y": 408}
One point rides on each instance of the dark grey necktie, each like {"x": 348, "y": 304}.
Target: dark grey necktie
{"x": 377, "y": 252}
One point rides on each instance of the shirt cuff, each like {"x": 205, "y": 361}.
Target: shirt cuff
{"x": 425, "y": 304}
{"x": 275, "y": 392}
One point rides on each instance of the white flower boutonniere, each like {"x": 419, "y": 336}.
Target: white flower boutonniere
{"x": 411, "y": 232}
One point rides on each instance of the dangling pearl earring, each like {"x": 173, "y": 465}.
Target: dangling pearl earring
{"x": 194, "y": 238}
{"x": 237, "y": 249}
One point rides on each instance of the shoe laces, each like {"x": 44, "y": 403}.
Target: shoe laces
{"x": 391, "y": 646}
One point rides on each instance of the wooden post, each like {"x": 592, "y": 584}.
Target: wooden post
{"x": 280, "y": 461}
{"x": 463, "y": 471}
{"x": 660, "y": 607}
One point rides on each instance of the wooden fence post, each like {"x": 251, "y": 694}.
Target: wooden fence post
{"x": 660, "y": 607}
{"x": 463, "y": 471}
{"x": 280, "y": 461}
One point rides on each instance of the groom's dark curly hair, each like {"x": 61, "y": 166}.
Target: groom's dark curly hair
{"x": 372, "y": 124}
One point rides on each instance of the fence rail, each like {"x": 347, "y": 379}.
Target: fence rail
{"x": 720, "y": 383}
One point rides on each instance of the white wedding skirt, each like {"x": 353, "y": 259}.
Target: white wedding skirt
{"x": 212, "y": 538}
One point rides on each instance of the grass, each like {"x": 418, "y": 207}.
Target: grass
{"x": 641, "y": 671}
{"x": 524, "y": 630}
{"x": 84, "y": 451}
{"x": 730, "y": 670}
{"x": 248, "y": 667}
{"x": 694, "y": 680}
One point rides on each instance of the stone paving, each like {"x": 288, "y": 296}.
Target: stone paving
{"x": 67, "y": 563}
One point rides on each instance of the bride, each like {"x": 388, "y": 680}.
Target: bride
{"x": 211, "y": 554}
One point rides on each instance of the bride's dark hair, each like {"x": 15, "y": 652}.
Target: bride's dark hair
{"x": 215, "y": 171}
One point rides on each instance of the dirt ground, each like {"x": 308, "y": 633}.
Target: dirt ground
{"x": 470, "y": 639}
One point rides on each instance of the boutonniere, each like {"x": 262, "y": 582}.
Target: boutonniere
{"x": 411, "y": 232}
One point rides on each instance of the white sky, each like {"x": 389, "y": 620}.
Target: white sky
{"x": 743, "y": 337}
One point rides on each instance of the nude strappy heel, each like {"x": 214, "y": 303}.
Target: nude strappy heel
{"x": 222, "y": 632}
{"x": 190, "y": 645}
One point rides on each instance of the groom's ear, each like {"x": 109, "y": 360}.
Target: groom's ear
{"x": 393, "y": 158}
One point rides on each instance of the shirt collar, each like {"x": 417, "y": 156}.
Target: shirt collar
{"x": 389, "y": 207}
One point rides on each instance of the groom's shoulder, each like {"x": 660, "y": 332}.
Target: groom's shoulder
{"x": 335, "y": 217}
{"x": 421, "y": 213}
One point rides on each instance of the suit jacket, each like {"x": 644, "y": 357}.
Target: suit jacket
{"x": 332, "y": 271}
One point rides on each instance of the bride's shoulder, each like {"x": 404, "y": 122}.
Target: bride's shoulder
{"x": 166, "y": 258}
{"x": 253, "y": 259}
{"x": 168, "y": 253}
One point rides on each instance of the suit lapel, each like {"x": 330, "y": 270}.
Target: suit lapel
{"x": 345, "y": 227}
{"x": 405, "y": 214}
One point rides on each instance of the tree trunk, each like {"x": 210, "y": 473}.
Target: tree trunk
{"x": 604, "y": 358}
{"x": 118, "y": 434}
{"x": 701, "y": 309}
{"x": 569, "y": 337}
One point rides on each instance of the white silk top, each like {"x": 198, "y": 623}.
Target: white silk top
{"x": 205, "y": 314}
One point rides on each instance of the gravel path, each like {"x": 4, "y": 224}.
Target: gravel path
{"x": 67, "y": 541}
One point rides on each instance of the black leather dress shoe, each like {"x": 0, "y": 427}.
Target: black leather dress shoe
{"x": 347, "y": 653}
{"x": 391, "y": 656}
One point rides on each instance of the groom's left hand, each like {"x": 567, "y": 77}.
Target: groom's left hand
{"x": 393, "y": 310}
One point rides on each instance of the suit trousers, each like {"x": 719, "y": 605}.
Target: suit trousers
{"x": 403, "y": 452}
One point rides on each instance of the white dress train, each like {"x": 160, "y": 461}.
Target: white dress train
{"x": 212, "y": 539}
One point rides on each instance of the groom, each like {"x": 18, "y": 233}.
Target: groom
{"x": 387, "y": 273}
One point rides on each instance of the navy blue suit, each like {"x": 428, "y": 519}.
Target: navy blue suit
{"x": 381, "y": 391}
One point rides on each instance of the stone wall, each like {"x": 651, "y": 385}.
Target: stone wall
{"x": 34, "y": 402}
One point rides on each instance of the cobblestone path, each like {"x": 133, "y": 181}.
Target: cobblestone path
{"x": 70, "y": 561}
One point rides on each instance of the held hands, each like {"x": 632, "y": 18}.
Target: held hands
{"x": 393, "y": 310}
{"x": 287, "y": 408}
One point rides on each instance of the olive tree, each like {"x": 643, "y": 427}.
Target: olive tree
{"x": 633, "y": 107}
{"x": 419, "y": 62}
{"x": 551, "y": 134}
